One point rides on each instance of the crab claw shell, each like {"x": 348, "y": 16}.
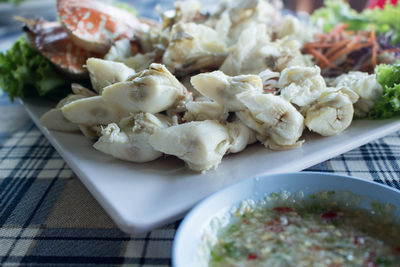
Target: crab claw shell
{"x": 53, "y": 42}
{"x": 95, "y": 25}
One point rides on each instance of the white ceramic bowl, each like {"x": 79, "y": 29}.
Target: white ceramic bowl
{"x": 187, "y": 240}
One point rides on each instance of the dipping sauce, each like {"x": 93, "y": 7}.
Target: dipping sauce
{"x": 313, "y": 232}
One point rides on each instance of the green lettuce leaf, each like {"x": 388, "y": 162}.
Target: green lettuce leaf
{"x": 24, "y": 72}
{"x": 388, "y": 75}
{"x": 388, "y": 105}
{"x": 338, "y": 11}
{"x": 385, "y": 20}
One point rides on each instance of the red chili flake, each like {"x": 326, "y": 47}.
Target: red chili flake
{"x": 283, "y": 209}
{"x": 356, "y": 240}
{"x": 330, "y": 215}
{"x": 252, "y": 257}
{"x": 397, "y": 249}
{"x": 245, "y": 221}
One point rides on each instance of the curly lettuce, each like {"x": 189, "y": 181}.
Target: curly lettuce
{"x": 24, "y": 72}
{"x": 388, "y": 105}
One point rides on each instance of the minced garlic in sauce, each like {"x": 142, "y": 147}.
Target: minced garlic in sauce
{"x": 319, "y": 231}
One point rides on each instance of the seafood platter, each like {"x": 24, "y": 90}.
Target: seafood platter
{"x": 153, "y": 116}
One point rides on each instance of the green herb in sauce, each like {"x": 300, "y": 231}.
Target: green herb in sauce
{"x": 323, "y": 230}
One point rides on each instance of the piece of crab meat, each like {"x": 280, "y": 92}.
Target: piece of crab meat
{"x": 95, "y": 25}
{"x": 103, "y": 73}
{"x": 79, "y": 89}
{"x": 277, "y": 119}
{"x": 152, "y": 90}
{"x": 331, "y": 114}
{"x": 254, "y": 53}
{"x": 240, "y": 136}
{"x": 91, "y": 132}
{"x": 91, "y": 111}
{"x": 53, "y": 42}
{"x": 128, "y": 140}
{"x": 225, "y": 89}
{"x": 201, "y": 144}
{"x": 301, "y": 85}
{"x": 248, "y": 56}
{"x": 363, "y": 84}
{"x": 243, "y": 15}
{"x": 294, "y": 28}
{"x": 140, "y": 62}
{"x": 204, "y": 110}
{"x": 55, "y": 120}
{"x": 122, "y": 49}
{"x": 193, "y": 47}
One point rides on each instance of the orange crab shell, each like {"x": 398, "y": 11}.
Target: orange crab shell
{"x": 94, "y": 25}
{"x": 53, "y": 42}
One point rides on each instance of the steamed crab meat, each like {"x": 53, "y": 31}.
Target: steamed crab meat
{"x": 128, "y": 140}
{"x": 91, "y": 111}
{"x": 91, "y": 132}
{"x": 201, "y": 110}
{"x": 152, "y": 90}
{"x": 241, "y": 15}
{"x": 185, "y": 11}
{"x": 224, "y": 89}
{"x": 201, "y": 144}
{"x": 240, "y": 136}
{"x": 103, "y": 73}
{"x": 365, "y": 85}
{"x": 254, "y": 53}
{"x": 293, "y": 28}
{"x": 95, "y": 25}
{"x": 332, "y": 113}
{"x": 140, "y": 62}
{"x": 270, "y": 81}
{"x": 53, "y": 42}
{"x": 272, "y": 117}
{"x": 248, "y": 56}
{"x": 78, "y": 89}
{"x": 193, "y": 47}
{"x": 121, "y": 50}
{"x": 55, "y": 120}
{"x": 301, "y": 85}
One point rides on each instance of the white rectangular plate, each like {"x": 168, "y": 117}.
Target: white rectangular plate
{"x": 141, "y": 197}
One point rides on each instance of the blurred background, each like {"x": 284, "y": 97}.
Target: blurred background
{"x": 9, "y": 28}
{"x": 309, "y": 5}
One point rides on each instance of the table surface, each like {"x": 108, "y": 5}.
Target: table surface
{"x": 47, "y": 217}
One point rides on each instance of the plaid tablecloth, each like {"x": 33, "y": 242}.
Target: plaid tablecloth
{"x": 48, "y": 218}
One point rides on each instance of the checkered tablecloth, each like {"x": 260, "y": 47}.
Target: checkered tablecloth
{"x": 48, "y": 218}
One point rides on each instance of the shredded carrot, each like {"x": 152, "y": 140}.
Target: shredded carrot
{"x": 336, "y": 47}
{"x": 332, "y": 50}
{"x": 323, "y": 59}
